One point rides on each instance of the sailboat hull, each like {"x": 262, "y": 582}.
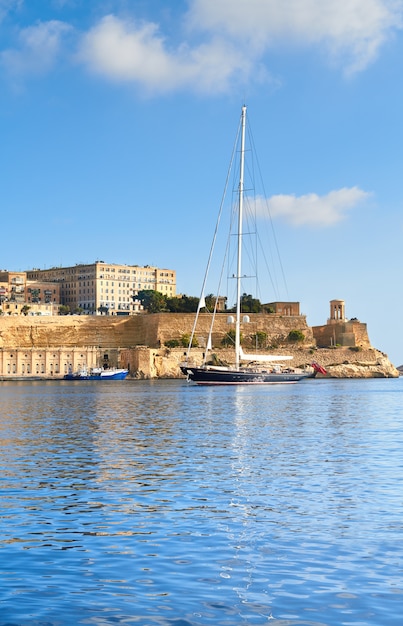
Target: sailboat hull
{"x": 212, "y": 376}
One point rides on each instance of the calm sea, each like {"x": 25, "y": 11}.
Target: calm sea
{"x": 165, "y": 504}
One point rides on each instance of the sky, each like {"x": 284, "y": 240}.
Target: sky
{"x": 117, "y": 121}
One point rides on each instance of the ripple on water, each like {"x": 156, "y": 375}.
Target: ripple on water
{"x": 164, "y": 503}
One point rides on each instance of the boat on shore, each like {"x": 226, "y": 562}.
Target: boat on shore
{"x": 248, "y": 368}
{"x": 97, "y": 373}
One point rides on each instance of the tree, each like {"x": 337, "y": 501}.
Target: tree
{"x": 210, "y": 302}
{"x": 25, "y": 309}
{"x": 64, "y": 309}
{"x": 185, "y": 304}
{"x": 174, "y": 305}
{"x": 103, "y": 309}
{"x": 153, "y": 301}
{"x": 249, "y": 304}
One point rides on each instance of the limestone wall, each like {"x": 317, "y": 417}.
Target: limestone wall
{"x": 47, "y": 346}
{"x": 174, "y": 326}
{"x": 72, "y": 330}
{"x": 346, "y": 334}
{"x": 47, "y": 362}
{"x": 339, "y": 362}
{"x": 149, "y": 330}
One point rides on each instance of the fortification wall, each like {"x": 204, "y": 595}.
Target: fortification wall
{"x": 28, "y": 332}
{"x": 47, "y": 346}
{"x": 276, "y": 327}
{"x": 347, "y": 334}
{"x": 150, "y": 330}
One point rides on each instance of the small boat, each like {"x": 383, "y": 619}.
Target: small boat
{"x": 97, "y": 373}
{"x": 255, "y": 369}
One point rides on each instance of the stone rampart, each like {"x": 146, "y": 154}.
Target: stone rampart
{"x": 346, "y": 334}
{"x": 150, "y": 330}
{"x": 52, "y": 332}
{"x": 47, "y": 346}
{"x": 275, "y": 327}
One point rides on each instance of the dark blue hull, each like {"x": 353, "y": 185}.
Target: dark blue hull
{"x": 217, "y": 376}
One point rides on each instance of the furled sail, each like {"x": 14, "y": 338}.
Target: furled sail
{"x": 262, "y": 357}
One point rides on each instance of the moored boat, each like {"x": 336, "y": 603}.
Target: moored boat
{"x": 211, "y": 375}
{"x": 97, "y": 373}
{"x": 248, "y": 369}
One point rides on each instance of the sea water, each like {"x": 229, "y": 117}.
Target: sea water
{"x": 162, "y": 503}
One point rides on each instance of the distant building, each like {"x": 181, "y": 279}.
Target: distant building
{"x": 19, "y": 295}
{"x": 284, "y": 308}
{"x": 100, "y": 288}
{"x": 12, "y": 286}
{"x": 340, "y": 331}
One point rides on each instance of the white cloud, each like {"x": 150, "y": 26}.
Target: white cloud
{"x": 133, "y": 52}
{"x": 38, "y": 49}
{"x": 233, "y": 38}
{"x": 314, "y": 210}
{"x": 351, "y": 31}
{"x": 226, "y": 43}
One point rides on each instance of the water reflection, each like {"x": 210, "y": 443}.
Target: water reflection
{"x": 162, "y": 503}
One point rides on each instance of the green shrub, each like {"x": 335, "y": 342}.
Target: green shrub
{"x": 259, "y": 339}
{"x": 172, "y": 343}
{"x": 229, "y": 339}
{"x": 185, "y": 339}
{"x": 296, "y": 336}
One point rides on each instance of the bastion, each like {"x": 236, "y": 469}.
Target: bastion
{"x": 47, "y": 347}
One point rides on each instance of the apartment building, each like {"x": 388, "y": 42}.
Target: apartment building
{"x": 18, "y": 294}
{"x": 102, "y": 287}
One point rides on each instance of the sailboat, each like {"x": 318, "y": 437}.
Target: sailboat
{"x": 248, "y": 368}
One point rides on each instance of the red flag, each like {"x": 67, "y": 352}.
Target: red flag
{"x": 318, "y": 368}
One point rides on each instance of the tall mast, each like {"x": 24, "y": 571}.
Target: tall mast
{"x": 239, "y": 256}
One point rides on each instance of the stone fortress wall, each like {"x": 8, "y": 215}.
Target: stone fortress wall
{"x": 47, "y": 347}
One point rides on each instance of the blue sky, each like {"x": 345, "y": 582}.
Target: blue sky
{"x": 117, "y": 120}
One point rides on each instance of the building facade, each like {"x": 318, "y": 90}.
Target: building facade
{"x": 46, "y": 362}
{"x": 100, "y": 288}
{"x": 284, "y": 308}
{"x": 18, "y": 295}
